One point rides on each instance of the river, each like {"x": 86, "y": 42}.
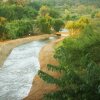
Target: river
{"x": 19, "y": 70}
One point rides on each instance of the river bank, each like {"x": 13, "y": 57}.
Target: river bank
{"x": 7, "y": 46}
{"x": 39, "y": 87}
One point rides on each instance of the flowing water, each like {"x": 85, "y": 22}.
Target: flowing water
{"x": 19, "y": 69}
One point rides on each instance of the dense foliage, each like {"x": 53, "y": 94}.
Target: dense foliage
{"x": 19, "y": 20}
{"x": 2, "y": 27}
{"x": 58, "y": 24}
{"x": 19, "y": 28}
{"x": 78, "y": 55}
{"x": 44, "y": 23}
{"x": 77, "y": 25}
{"x": 58, "y": 11}
{"x": 79, "y": 66}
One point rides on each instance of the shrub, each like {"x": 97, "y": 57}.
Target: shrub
{"x": 44, "y": 10}
{"x": 58, "y": 24}
{"x": 98, "y": 14}
{"x": 77, "y": 26}
{"x": 18, "y": 2}
{"x": 15, "y": 12}
{"x": 54, "y": 13}
{"x": 35, "y": 5}
{"x": 2, "y": 27}
{"x": 19, "y": 28}
{"x": 79, "y": 65}
{"x": 2, "y": 20}
{"x": 44, "y": 24}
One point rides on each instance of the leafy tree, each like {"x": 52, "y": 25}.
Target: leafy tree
{"x": 72, "y": 26}
{"x": 2, "y": 20}
{"x": 84, "y": 21}
{"x": 58, "y": 24}
{"x": 98, "y": 14}
{"x": 44, "y": 23}
{"x": 76, "y": 26}
{"x": 54, "y": 13}
{"x": 79, "y": 68}
{"x": 18, "y": 2}
{"x": 19, "y": 28}
{"x": 67, "y": 14}
{"x": 36, "y": 5}
{"x": 44, "y": 10}
{"x": 2, "y": 27}
{"x": 14, "y": 12}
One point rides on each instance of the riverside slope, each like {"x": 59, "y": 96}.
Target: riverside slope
{"x": 7, "y": 46}
{"x": 39, "y": 87}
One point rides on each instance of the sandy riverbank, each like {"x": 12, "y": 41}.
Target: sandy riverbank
{"x": 39, "y": 87}
{"x": 7, "y": 46}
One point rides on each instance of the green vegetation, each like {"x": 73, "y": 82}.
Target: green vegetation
{"x": 19, "y": 28}
{"x": 15, "y": 12}
{"x": 2, "y": 27}
{"x": 78, "y": 55}
{"x": 79, "y": 66}
{"x": 19, "y": 20}
{"x": 44, "y": 23}
{"x": 78, "y": 25}
{"x": 47, "y": 16}
{"x": 58, "y": 24}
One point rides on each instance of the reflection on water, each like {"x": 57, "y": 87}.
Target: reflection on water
{"x": 19, "y": 69}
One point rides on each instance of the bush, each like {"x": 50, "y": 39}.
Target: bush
{"x": 2, "y": 27}
{"x": 15, "y": 12}
{"x": 44, "y": 24}
{"x": 54, "y": 13}
{"x": 44, "y": 10}
{"x": 98, "y": 15}
{"x": 79, "y": 65}
{"x": 35, "y": 5}
{"x": 58, "y": 24}
{"x": 77, "y": 26}
{"x": 19, "y": 28}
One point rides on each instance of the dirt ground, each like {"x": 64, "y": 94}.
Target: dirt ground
{"x": 7, "y": 46}
{"x": 39, "y": 87}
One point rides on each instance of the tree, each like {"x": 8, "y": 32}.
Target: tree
{"x": 79, "y": 68}
{"x": 84, "y": 21}
{"x": 15, "y": 12}
{"x": 44, "y": 23}
{"x": 72, "y": 26}
{"x": 67, "y": 14}
{"x": 98, "y": 14}
{"x": 76, "y": 26}
{"x": 19, "y": 28}
{"x": 44, "y": 10}
{"x": 19, "y": 2}
{"x": 35, "y": 4}
{"x": 54, "y": 13}
{"x": 2, "y": 20}
{"x": 2, "y": 27}
{"x": 58, "y": 24}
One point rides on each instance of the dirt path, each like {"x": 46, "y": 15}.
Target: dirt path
{"x": 7, "y": 46}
